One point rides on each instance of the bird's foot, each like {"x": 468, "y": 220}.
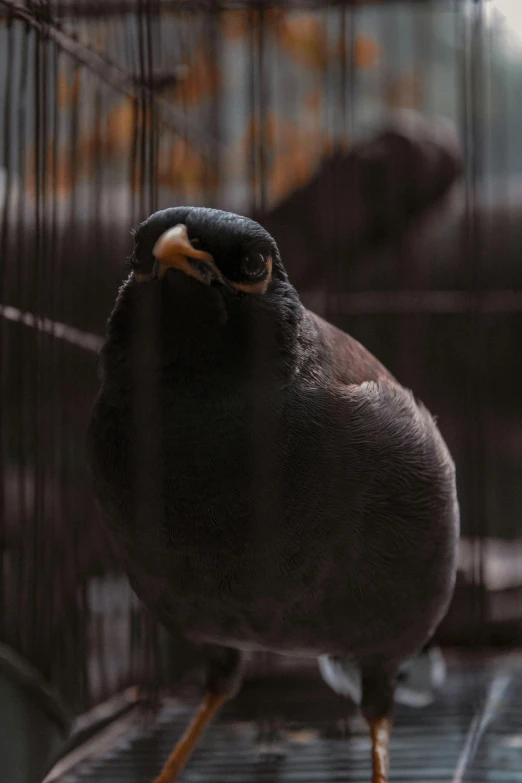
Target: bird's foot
{"x": 169, "y": 775}
{"x": 188, "y": 742}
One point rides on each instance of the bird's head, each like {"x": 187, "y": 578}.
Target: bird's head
{"x": 231, "y": 253}
{"x": 208, "y": 287}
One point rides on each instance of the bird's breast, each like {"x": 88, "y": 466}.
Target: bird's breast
{"x": 285, "y": 522}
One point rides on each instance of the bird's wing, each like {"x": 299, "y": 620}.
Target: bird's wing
{"x": 350, "y": 362}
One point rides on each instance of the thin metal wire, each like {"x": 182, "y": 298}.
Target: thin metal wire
{"x": 493, "y": 702}
{"x": 110, "y": 72}
{"x": 7, "y": 89}
{"x": 472, "y": 103}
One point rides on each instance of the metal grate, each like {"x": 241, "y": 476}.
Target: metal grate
{"x": 472, "y": 734}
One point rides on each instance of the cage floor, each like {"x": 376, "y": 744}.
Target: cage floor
{"x": 471, "y": 734}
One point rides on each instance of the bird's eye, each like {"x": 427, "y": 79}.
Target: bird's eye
{"x": 195, "y": 242}
{"x": 253, "y": 266}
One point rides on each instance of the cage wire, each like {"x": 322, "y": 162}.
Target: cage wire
{"x": 110, "y": 111}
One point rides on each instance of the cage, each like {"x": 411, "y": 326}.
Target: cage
{"x": 379, "y": 142}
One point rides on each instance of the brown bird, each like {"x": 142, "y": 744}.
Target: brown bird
{"x": 269, "y": 484}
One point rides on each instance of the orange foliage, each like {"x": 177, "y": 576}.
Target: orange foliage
{"x": 234, "y": 24}
{"x": 202, "y": 81}
{"x": 67, "y": 88}
{"x": 293, "y": 151}
{"x": 184, "y": 168}
{"x": 111, "y": 139}
{"x": 119, "y": 127}
{"x": 367, "y": 52}
{"x": 238, "y": 23}
{"x": 114, "y": 137}
{"x": 59, "y": 178}
{"x": 304, "y": 40}
{"x": 292, "y": 169}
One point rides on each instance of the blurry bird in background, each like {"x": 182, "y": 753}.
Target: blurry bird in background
{"x": 368, "y": 196}
{"x": 268, "y": 483}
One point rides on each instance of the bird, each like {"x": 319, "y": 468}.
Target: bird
{"x": 393, "y": 179}
{"x": 268, "y": 484}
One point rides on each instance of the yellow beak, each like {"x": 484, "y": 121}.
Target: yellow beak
{"x": 173, "y": 250}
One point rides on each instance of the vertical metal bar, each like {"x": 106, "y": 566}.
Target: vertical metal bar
{"x": 471, "y": 96}
{"x": 7, "y": 159}
{"x": 255, "y": 119}
{"x": 352, "y": 26}
{"x": 215, "y": 166}
{"x": 262, "y": 106}
{"x": 151, "y": 21}
{"x": 345, "y": 35}
{"x": 18, "y": 288}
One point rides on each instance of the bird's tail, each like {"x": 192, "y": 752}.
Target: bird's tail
{"x": 419, "y": 678}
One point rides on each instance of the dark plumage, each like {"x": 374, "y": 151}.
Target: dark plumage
{"x": 268, "y": 482}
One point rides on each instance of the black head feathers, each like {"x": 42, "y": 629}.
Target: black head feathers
{"x": 241, "y": 248}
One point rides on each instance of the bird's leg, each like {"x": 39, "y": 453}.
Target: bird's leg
{"x": 381, "y": 732}
{"x": 183, "y": 750}
{"x": 378, "y": 686}
{"x": 224, "y": 670}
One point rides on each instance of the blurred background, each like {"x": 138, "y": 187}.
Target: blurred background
{"x": 380, "y": 143}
